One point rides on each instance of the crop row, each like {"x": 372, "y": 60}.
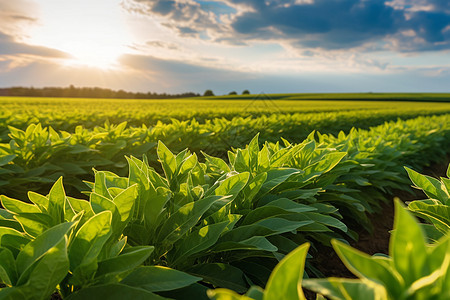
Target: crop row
{"x": 38, "y": 156}
{"x": 66, "y": 114}
{"x": 214, "y": 223}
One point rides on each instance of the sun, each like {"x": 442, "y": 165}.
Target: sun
{"x": 94, "y": 33}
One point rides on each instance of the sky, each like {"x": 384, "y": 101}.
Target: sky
{"x": 270, "y": 46}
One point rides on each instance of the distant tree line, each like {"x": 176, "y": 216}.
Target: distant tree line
{"x": 86, "y": 92}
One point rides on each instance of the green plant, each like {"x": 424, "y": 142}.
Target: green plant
{"x": 414, "y": 269}
{"x": 58, "y": 243}
{"x": 284, "y": 282}
{"x": 435, "y": 209}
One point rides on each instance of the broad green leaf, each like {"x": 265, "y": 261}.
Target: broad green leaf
{"x": 253, "y": 243}
{"x": 17, "y": 206}
{"x": 225, "y": 294}
{"x": 157, "y": 279}
{"x": 216, "y": 163}
{"x": 188, "y": 164}
{"x": 89, "y": 240}
{"x": 4, "y": 160}
{"x": 154, "y": 205}
{"x": 8, "y": 272}
{"x": 49, "y": 271}
{"x": 14, "y": 242}
{"x": 117, "y": 248}
{"x": 221, "y": 275}
{"x": 126, "y": 261}
{"x": 34, "y": 224}
{"x": 198, "y": 241}
{"x": 365, "y": 266}
{"x": 327, "y": 163}
{"x": 429, "y": 185}
{"x": 100, "y": 187}
{"x": 253, "y": 153}
{"x": 57, "y": 201}
{"x": 275, "y": 177}
{"x": 253, "y": 187}
{"x": 255, "y": 292}
{"x": 114, "y": 291}
{"x": 285, "y": 280}
{"x": 407, "y": 246}
{"x": 100, "y": 203}
{"x": 125, "y": 202}
{"x": 167, "y": 159}
{"x": 326, "y": 220}
{"x": 36, "y": 249}
{"x": 232, "y": 185}
{"x": 39, "y": 200}
{"x": 184, "y": 219}
{"x": 13, "y": 293}
{"x": 346, "y": 289}
{"x": 436, "y": 213}
{"x": 263, "y": 159}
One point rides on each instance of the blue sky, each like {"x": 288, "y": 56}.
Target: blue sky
{"x": 227, "y": 45}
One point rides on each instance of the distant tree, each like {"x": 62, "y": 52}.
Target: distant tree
{"x": 88, "y": 92}
{"x": 208, "y": 93}
{"x": 246, "y": 92}
{"x": 232, "y": 93}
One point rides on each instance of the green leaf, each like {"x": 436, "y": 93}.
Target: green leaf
{"x": 8, "y": 271}
{"x": 436, "y": 213}
{"x": 431, "y": 186}
{"x": 198, "y": 241}
{"x": 285, "y": 280}
{"x": 184, "y": 219}
{"x": 4, "y": 160}
{"x": 11, "y": 238}
{"x": 232, "y": 185}
{"x": 346, "y": 289}
{"x": 365, "y": 266}
{"x": 222, "y": 275}
{"x": 253, "y": 187}
{"x": 36, "y": 249}
{"x": 157, "y": 279}
{"x": 275, "y": 177}
{"x": 154, "y": 205}
{"x": 115, "y": 291}
{"x": 89, "y": 240}
{"x": 34, "y": 224}
{"x": 225, "y": 294}
{"x": 167, "y": 159}
{"x": 48, "y": 271}
{"x": 407, "y": 246}
{"x": 125, "y": 202}
{"x": 17, "y": 206}
{"x": 39, "y": 200}
{"x": 57, "y": 201}
{"x": 128, "y": 260}
{"x": 253, "y": 153}
{"x": 327, "y": 163}
{"x": 216, "y": 163}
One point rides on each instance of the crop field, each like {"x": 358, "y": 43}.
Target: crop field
{"x": 231, "y": 197}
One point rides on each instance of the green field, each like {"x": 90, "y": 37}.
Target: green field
{"x": 149, "y": 111}
{"x": 167, "y": 199}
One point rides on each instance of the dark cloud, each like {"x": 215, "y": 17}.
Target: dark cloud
{"x": 188, "y": 18}
{"x": 341, "y": 24}
{"x": 325, "y": 24}
{"x": 8, "y": 46}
